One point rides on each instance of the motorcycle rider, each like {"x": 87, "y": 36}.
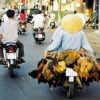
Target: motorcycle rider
{"x": 9, "y": 32}
{"x": 22, "y": 17}
{"x": 38, "y": 20}
{"x": 95, "y": 16}
{"x": 69, "y": 36}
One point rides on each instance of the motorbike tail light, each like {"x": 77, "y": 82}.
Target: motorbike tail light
{"x": 40, "y": 32}
{"x": 11, "y": 49}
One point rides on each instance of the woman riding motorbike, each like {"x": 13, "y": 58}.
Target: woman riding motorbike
{"x": 22, "y": 17}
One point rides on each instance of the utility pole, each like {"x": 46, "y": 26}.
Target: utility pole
{"x": 40, "y": 4}
{"x": 25, "y": 4}
{"x": 59, "y": 11}
{"x": 99, "y": 15}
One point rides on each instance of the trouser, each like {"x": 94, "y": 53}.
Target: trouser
{"x": 21, "y": 49}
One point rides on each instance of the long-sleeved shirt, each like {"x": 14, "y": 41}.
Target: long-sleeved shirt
{"x": 64, "y": 41}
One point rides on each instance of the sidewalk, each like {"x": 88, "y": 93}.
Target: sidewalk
{"x": 94, "y": 39}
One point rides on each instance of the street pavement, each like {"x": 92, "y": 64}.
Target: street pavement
{"x": 23, "y": 87}
{"x": 94, "y": 39}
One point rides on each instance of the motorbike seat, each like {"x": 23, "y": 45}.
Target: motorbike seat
{"x": 9, "y": 44}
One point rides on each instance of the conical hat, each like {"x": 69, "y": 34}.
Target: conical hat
{"x": 71, "y": 23}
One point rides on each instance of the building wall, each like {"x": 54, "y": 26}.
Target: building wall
{"x": 79, "y": 6}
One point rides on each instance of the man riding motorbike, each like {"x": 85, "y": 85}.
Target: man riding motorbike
{"x": 69, "y": 44}
{"x": 38, "y": 20}
{"x": 69, "y": 36}
{"x": 38, "y": 23}
{"x": 9, "y": 32}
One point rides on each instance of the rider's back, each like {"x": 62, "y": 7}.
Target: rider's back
{"x": 38, "y": 21}
{"x": 10, "y": 30}
{"x": 22, "y": 16}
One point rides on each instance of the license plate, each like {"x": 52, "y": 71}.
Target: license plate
{"x": 40, "y": 36}
{"x": 71, "y": 79}
{"x": 11, "y": 55}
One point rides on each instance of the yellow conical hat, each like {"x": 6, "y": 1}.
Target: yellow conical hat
{"x": 71, "y": 23}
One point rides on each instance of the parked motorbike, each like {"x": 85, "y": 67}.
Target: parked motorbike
{"x": 39, "y": 35}
{"x": 52, "y": 25}
{"x": 10, "y": 55}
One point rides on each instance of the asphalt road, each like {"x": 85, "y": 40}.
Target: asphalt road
{"x": 22, "y": 87}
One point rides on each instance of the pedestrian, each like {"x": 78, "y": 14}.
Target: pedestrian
{"x": 38, "y": 20}
{"x": 95, "y": 15}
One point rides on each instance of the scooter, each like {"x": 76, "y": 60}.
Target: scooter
{"x": 22, "y": 27}
{"x": 10, "y": 56}
{"x": 39, "y": 35}
{"x": 52, "y": 25}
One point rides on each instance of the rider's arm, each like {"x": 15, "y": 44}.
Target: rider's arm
{"x": 86, "y": 45}
{"x": 55, "y": 44}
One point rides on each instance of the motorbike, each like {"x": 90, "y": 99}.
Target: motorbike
{"x": 10, "y": 56}
{"x": 72, "y": 73}
{"x": 67, "y": 79}
{"x": 52, "y": 25}
{"x": 70, "y": 82}
{"x": 22, "y": 27}
{"x": 39, "y": 35}
{"x": 90, "y": 23}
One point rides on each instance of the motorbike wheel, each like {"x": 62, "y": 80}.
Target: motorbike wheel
{"x": 70, "y": 91}
{"x": 39, "y": 42}
{"x": 11, "y": 72}
{"x": 19, "y": 32}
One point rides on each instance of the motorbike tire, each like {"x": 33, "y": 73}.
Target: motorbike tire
{"x": 11, "y": 72}
{"x": 39, "y": 42}
{"x": 70, "y": 90}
